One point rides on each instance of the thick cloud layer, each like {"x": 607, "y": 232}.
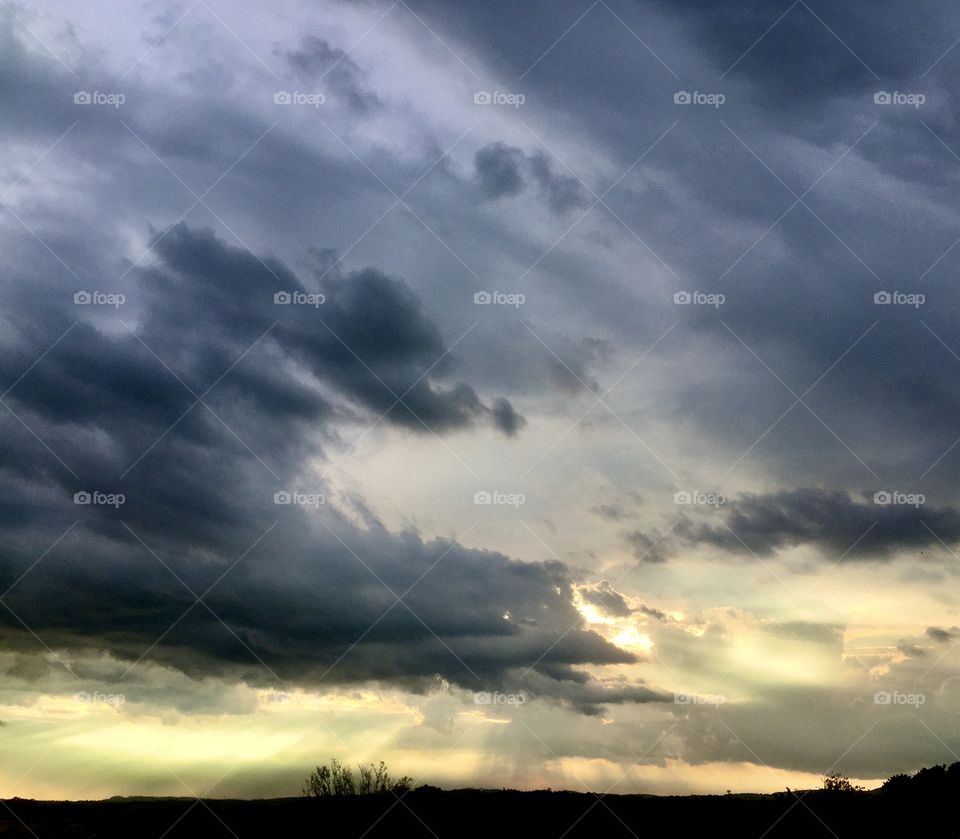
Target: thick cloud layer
{"x": 287, "y": 591}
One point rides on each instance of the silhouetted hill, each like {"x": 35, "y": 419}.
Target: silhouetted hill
{"x": 904, "y": 806}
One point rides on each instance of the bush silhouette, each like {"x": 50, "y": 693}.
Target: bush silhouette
{"x": 337, "y": 779}
{"x": 835, "y": 782}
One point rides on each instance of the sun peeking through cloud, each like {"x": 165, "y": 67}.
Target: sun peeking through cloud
{"x": 618, "y": 629}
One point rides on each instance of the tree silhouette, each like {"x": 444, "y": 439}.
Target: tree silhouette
{"x": 897, "y": 783}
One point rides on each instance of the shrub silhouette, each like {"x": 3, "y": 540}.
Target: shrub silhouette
{"x": 337, "y": 779}
{"x": 835, "y": 782}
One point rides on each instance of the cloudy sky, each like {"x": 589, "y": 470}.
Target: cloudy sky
{"x": 527, "y": 394}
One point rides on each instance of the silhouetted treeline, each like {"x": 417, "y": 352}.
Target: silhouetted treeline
{"x": 932, "y": 781}
{"x": 917, "y": 805}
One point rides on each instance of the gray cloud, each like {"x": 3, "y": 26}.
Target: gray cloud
{"x": 654, "y": 548}
{"x": 606, "y": 598}
{"x": 590, "y": 696}
{"x": 497, "y": 168}
{"x": 942, "y": 635}
{"x": 201, "y": 496}
{"x": 370, "y": 336}
{"x": 331, "y": 69}
{"x": 504, "y": 171}
{"x": 562, "y": 192}
{"x": 831, "y": 521}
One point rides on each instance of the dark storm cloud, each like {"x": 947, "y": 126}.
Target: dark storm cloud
{"x": 589, "y": 696}
{"x": 116, "y": 398}
{"x": 369, "y": 341}
{"x": 605, "y": 597}
{"x": 801, "y": 60}
{"x": 369, "y": 336}
{"x": 331, "y": 69}
{"x": 498, "y": 170}
{"x": 299, "y": 602}
{"x": 942, "y": 635}
{"x": 801, "y": 294}
{"x": 505, "y": 171}
{"x": 809, "y": 319}
{"x": 562, "y": 192}
{"x": 831, "y": 521}
{"x": 505, "y": 417}
{"x": 307, "y": 595}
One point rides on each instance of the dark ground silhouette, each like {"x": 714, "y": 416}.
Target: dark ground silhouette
{"x": 924, "y": 804}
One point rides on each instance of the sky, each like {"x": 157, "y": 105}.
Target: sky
{"x": 542, "y": 394}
